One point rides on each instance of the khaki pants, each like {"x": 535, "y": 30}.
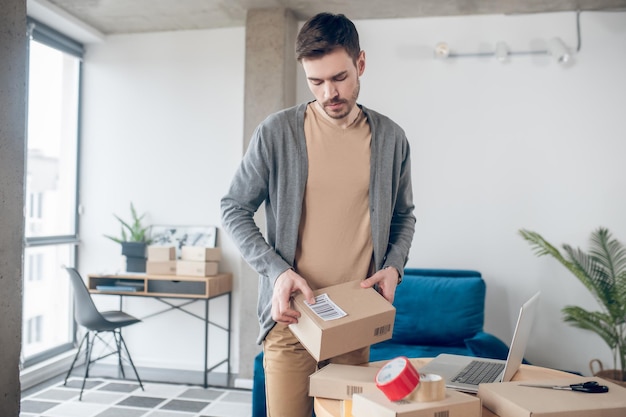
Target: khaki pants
{"x": 287, "y": 368}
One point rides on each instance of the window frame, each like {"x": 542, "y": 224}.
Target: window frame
{"x": 50, "y": 37}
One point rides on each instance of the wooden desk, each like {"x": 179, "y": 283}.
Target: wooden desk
{"x": 332, "y": 408}
{"x": 162, "y": 287}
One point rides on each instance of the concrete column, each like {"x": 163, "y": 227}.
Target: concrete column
{"x": 13, "y": 48}
{"x": 270, "y": 85}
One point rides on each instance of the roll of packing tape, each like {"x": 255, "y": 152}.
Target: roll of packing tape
{"x": 397, "y": 379}
{"x": 432, "y": 387}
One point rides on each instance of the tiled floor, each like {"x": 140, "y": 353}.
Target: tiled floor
{"x": 111, "y": 398}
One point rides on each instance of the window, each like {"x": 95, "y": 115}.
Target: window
{"x": 33, "y": 330}
{"x": 50, "y": 204}
{"x": 33, "y": 266}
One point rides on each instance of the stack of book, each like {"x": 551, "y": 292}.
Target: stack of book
{"x": 123, "y": 285}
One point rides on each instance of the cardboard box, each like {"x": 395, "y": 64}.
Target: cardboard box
{"x": 369, "y": 320}
{"x": 512, "y": 400}
{"x": 339, "y": 382}
{"x": 161, "y": 267}
{"x": 456, "y": 404}
{"x": 161, "y": 253}
{"x": 200, "y": 253}
{"x": 196, "y": 269}
{"x": 345, "y": 408}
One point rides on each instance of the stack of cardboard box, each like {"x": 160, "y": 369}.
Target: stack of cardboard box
{"x": 161, "y": 260}
{"x": 198, "y": 261}
{"x": 195, "y": 261}
{"x": 367, "y": 319}
{"x": 355, "y": 387}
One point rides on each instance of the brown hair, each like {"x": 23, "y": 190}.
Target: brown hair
{"x": 325, "y": 32}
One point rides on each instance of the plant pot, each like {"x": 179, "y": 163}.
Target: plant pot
{"x": 135, "y": 253}
{"x": 134, "y": 249}
{"x": 613, "y": 375}
{"x": 135, "y": 264}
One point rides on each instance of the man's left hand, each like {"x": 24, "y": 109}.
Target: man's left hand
{"x": 387, "y": 280}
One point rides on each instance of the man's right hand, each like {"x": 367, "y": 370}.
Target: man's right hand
{"x": 287, "y": 284}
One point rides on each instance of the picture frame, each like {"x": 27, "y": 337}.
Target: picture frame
{"x": 179, "y": 236}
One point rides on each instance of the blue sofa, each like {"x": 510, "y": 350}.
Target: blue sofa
{"x": 437, "y": 311}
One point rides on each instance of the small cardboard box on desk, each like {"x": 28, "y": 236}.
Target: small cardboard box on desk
{"x": 358, "y": 317}
{"x": 455, "y": 404}
{"x": 340, "y": 382}
{"x": 161, "y": 260}
{"x": 201, "y": 253}
{"x": 511, "y": 399}
{"x": 198, "y": 261}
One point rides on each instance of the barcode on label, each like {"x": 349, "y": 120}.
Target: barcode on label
{"x": 379, "y": 331}
{"x": 353, "y": 389}
{"x": 444, "y": 413}
{"x": 326, "y": 309}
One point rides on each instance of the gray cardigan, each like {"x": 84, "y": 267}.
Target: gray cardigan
{"x": 274, "y": 171}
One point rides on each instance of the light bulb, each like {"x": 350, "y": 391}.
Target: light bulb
{"x": 502, "y": 52}
{"x": 557, "y": 49}
{"x": 442, "y": 50}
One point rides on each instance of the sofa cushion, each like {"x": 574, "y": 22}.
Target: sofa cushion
{"x": 258, "y": 388}
{"x": 485, "y": 345}
{"x": 438, "y": 310}
{"x": 388, "y": 350}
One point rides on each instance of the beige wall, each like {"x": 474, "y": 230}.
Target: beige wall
{"x": 12, "y": 143}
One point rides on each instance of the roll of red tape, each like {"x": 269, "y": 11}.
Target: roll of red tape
{"x": 397, "y": 379}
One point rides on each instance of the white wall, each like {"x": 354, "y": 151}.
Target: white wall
{"x": 496, "y": 147}
{"x": 162, "y": 127}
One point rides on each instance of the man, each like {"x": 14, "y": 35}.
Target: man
{"x": 335, "y": 178}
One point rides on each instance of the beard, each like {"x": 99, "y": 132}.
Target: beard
{"x": 349, "y": 103}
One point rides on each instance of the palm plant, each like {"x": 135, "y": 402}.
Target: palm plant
{"x": 603, "y": 272}
{"x": 133, "y": 231}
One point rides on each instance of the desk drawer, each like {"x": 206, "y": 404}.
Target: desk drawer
{"x": 177, "y": 287}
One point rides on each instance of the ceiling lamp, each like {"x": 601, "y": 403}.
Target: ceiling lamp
{"x": 557, "y": 49}
{"x": 502, "y": 52}
{"x": 442, "y": 50}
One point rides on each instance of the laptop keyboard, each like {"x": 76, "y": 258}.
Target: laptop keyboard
{"x": 479, "y": 371}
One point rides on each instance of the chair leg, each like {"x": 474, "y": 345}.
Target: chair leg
{"x": 91, "y": 339}
{"x": 80, "y": 346}
{"x": 123, "y": 343}
{"x": 117, "y": 334}
{"x": 90, "y": 342}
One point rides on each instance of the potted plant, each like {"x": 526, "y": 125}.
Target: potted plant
{"x": 134, "y": 240}
{"x": 603, "y": 272}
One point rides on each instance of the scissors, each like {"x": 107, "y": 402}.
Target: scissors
{"x": 590, "y": 387}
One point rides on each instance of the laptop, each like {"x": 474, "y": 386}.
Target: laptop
{"x": 457, "y": 370}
